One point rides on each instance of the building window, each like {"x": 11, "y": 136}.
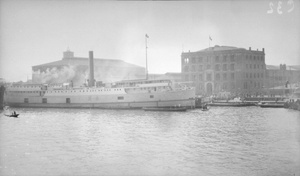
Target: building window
{"x": 246, "y": 75}
{"x": 193, "y": 60}
{"x": 231, "y": 66}
{"x": 193, "y": 77}
{"x": 261, "y": 75}
{"x": 217, "y": 59}
{"x": 232, "y": 58}
{"x": 200, "y": 67}
{"x": 232, "y": 75}
{"x": 250, "y": 66}
{"x": 120, "y": 98}
{"x": 201, "y": 59}
{"x": 186, "y": 60}
{"x": 224, "y": 76}
{"x": 26, "y": 100}
{"x": 224, "y": 58}
{"x": 151, "y": 96}
{"x": 208, "y": 77}
{"x": 68, "y": 100}
{"x": 250, "y": 75}
{"x": 217, "y": 67}
{"x": 224, "y": 86}
{"x": 200, "y": 77}
{"x": 232, "y": 86}
{"x": 254, "y": 66}
{"x": 186, "y": 69}
{"x": 218, "y": 76}
{"x": 208, "y": 66}
{"x": 44, "y": 100}
{"x": 193, "y": 68}
{"x": 224, "y": 67}
{"x": 186, "y": 78}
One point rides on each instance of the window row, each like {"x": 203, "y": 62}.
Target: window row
{"x": 254, "y": 66}
{"x": 217, "y": 67}
{"x": 253, "y": 85}
{"x": 254, "y": 75}
{"x": 68, "y": 100}
{"x": 254, "y": 58}
{"x": 221, "y": 58}
{"x": 200, "y": 77}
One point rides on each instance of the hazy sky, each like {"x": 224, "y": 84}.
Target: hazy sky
{"x": 37, "y": 32}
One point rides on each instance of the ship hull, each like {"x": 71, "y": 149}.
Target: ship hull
{"x": 183, "y": 98}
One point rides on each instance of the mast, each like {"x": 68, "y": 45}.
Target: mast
{"x": 146, "y": 36}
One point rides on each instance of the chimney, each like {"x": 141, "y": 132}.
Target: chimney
{"x": 263, "y": 50}
{"x": 249, "y": 48}
{"x": 91, "y": 76}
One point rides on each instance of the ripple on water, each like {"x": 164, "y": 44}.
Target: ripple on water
{"x": 221, "y": 141}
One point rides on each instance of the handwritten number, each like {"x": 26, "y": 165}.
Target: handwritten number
{"x": 279, "y": 7}
{"x": 291, "y": 2}
{"x": 271, "y": 9}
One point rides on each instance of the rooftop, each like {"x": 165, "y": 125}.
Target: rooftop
{"x": 277, "y": 67}
{"x": 71, "y": 60}
{"x": 224, "y": 48}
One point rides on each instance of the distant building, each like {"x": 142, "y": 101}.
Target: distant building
{"x": 282, "y": 75}
{"x": 76, "y": 69}
{"x": 224, "y": 69}
{"x": 176, "y": 77}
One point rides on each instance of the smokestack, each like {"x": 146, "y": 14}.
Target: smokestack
{"x": 91, "y": 76}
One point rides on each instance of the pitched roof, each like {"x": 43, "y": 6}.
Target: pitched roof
{"x": 85, "y": 61}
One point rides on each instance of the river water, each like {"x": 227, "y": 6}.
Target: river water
{"x": 221, "y": 141}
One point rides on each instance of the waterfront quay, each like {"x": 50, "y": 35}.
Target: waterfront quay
{"x": 222, "y": 141}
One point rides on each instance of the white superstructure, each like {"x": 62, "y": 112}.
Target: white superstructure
{"x": 123, "y": 94}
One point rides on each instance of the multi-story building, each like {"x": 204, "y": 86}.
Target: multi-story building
{"x": 282, "y": 75}
{"x": 224, "y": 69}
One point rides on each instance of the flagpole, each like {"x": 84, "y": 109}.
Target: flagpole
{"x": 146, "y": 36}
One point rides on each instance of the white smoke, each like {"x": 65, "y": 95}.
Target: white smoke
{"x": 79, "y": 74}
{"x": 61, "y": 75}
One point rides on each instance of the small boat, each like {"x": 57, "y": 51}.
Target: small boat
{"x": 271, "y": 104}
{"x": 204, "y": 109}
{"x": 13, "y": 115}
{"x": 164, "y": 108}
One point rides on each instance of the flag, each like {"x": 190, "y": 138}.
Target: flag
{"x": 210, "y": 38}
{"x": 146, "y": 36}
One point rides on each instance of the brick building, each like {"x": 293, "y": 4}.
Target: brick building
{"x": 224, "y": 69}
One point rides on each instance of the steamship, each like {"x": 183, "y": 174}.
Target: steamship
{"x": 121, "y": 95}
